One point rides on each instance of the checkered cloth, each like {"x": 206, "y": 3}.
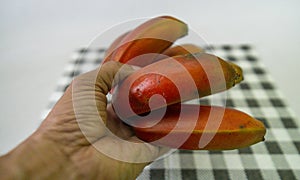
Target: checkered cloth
{"x": 275, "y": 158}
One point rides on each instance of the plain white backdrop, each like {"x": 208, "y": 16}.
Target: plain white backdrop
{"x": 38, "y": 37}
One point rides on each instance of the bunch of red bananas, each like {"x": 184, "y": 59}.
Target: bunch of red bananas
{"x": 178, "y": 74}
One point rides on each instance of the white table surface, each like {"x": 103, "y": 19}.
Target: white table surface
{"x": 38, "y": 37}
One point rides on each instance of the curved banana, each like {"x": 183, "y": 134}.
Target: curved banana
{"x": 176, "y": 79}
{"x": 150, "y": 38}
{"x": 234, "y": 129}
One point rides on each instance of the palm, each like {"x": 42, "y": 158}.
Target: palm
{"x": 97, "y": 149}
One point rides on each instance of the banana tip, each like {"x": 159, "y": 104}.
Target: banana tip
{"x": 238, "y": 71}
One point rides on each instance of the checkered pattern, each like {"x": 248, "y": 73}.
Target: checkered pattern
{"x": 275, "y": 158}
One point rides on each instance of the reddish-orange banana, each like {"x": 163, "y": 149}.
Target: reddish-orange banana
{"x": 152, "y": 38}
{"x": 227, "y": 128}
{"x": 176, "y": 79}
{"x": 180, "y": 50}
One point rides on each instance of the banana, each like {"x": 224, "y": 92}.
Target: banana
{"x": 183, "y": 49}
{"x": 180, "y": 50}
{"x": 228, "y": 129}
{"x": 178, "y": 74}
{"x": 152, "y": 38}
{"x": 176, "y": 79}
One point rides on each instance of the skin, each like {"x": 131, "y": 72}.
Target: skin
{"x": 67, "y": 142}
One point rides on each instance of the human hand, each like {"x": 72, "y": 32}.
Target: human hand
{"x": 82, "y": 136}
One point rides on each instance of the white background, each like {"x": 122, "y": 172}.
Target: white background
{"x": 38, "y": 37}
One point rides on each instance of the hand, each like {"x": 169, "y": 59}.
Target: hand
{"x": 82, "y": 137}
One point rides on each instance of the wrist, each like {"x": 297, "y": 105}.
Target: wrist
{"x": 37, "y": 157}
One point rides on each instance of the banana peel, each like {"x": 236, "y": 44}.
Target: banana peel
{"x": 152, "y": 38}
{"x": 191, "y": 127}
{"x": 181, "y": 49}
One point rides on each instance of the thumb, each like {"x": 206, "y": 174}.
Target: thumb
{"x": 110, "y": 74}
{"x": 89, "y": 92}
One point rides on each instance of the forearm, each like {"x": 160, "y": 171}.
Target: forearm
{"x": 35, "y": 158}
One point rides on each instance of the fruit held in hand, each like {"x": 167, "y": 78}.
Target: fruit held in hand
{"x": 180, "y": 50}
{"x": 177, "y": 74}
{"x": 176, "y": 79}
{"x": 198, "y": 127}
{"x": 152, "y": 37}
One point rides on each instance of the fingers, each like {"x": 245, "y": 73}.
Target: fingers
{"x": 132, "y": 150}
{"x": 155, "y": 151}
{"x": 116, "y": 126}
{"x": 89, "y": 92}
{"x": 110, "y": 74}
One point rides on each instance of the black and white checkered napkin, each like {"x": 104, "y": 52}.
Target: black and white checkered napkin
{"x": 275, "y": 158}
